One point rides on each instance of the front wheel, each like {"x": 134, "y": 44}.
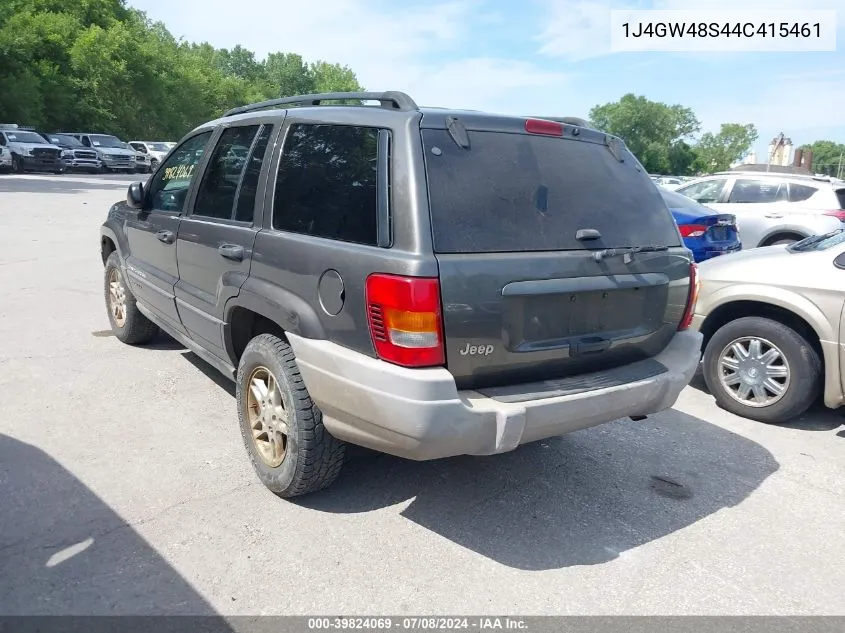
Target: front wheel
{"x": 761, "y": 369}
{"x": 290, "y": 449}
{"x": 127, "y": 322}
{"x": 17, "y": 164}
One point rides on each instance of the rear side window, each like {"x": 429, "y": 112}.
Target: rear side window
{"x": 757, "y": 191}
{"x": 245, "y": 208}
{"x": 705, "y": 192}
{"x": 219, "y": 186}
{"x": 799, "y": 193}
{"x": 327, "y": 183}
{"x": 515, "y": 192}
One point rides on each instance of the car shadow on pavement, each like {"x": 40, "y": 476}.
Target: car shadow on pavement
{"x": 58, "y": 184}
{"x": 210, "y": 372}
{"x": 581, "y": 499}
{"x": 63, "y": 551}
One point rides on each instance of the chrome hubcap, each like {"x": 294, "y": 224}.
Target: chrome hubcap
{"x": 117, "y": 298}
{"x": 268, "y": 417}
{"x": 754, "y": 371}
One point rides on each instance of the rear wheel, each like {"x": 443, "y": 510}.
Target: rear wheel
{"x": 761, "y": 369}
{"x": 290, "y": 449}
{"x": 127, "y": 322}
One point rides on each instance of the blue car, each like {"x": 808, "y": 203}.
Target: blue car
{"x": 706, "y": 233}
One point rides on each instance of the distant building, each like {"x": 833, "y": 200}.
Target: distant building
{"x": 780, "y": 151}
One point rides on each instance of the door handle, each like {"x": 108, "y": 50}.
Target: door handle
{"x": 165, "y": 236}
{"x": 774, "y": 215}
{"x": 232, "y": 251}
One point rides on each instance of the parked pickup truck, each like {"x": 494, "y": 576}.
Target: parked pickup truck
{"x": 113, "y": 153}
{"x": 29, "y": 150}
{"x": 422, "y": 282}
{"x": 75, "y": 155}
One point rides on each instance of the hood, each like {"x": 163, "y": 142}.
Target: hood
{"x": 759, "y": 266}
{"x": 113, "y": 150}
{"x": 34, "y": 145}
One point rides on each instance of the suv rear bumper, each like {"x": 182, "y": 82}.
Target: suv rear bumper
{"x": 420, "y": 414}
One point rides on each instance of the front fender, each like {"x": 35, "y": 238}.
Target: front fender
{"x": 786, "y": 299}
{"x": 112, "y": 229}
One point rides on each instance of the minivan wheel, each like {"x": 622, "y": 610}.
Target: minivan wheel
{"x": 761, "y": 369}
{"x": 290, "y": 449}
{"x": 127, "y": 322}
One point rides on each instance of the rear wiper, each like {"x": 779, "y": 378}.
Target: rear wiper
{"x": 627, "y": 252}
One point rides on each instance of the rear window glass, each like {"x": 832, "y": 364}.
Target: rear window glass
{"x": 840, "y": 195}
{"x": 515, "y": 192}
{"x": 799, "y": 193}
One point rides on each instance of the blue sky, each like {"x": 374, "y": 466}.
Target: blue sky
{"x": 546, "y": 57}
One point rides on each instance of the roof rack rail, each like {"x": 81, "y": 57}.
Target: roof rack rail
{"x": 392, "y": 99}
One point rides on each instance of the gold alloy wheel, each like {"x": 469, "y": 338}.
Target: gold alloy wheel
{"x": 268, "y": 417}
{"x": 117, "y": 298}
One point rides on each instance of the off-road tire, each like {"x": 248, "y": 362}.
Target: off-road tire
{"x": 313, "y": 458}
{"x": 137, "y": 329}
{"x": 804, "y": 363}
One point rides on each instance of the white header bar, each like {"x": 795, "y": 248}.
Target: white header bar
{"x": 720, "y": 31}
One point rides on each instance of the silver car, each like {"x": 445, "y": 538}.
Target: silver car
{"x": 772, "y": 208}
{"x": 774, "y": 327}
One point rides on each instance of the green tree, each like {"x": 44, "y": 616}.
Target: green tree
{"x": 717, "y": 152}
{"x": 652, "y": 130}
{"x": 828, "y": 157}
{"x": 100, "y": 65}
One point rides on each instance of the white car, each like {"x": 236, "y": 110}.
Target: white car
{"x": 155, "y": 150}
{"x": 5, "y": 159}
{"x": 772, "y": 208}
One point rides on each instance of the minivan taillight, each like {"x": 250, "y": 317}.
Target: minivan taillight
{"x": 692, "y": 297}
{"x": 838, "y": 213}
{"x": 405, "y": 319}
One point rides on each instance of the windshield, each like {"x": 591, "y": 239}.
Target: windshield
{"x": 62, "y": 139}
{"x": 819, "y": 242}
{"x": 26, "y": 137}
{"x": 515, "y": 192}
{"x": 104, "y": 140}
{"x": 158, "y": 147}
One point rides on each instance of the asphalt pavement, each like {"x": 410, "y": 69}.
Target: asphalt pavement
{"x": 125, "y": 487}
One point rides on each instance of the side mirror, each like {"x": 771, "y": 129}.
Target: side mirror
{"x": 135, "y": 195}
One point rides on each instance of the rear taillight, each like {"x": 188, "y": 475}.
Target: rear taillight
{"x": 692, "y": 230}
{"x": 405, "y": 319}
{"x": 542, "y": 126}
{"x": 692, "y": 297}
{"x": 839, "y": 213}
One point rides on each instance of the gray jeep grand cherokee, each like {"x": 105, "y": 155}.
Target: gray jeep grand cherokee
{"x": 423, "y": 282}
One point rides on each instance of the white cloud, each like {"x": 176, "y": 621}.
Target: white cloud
{"x": 483, "y": 83}
{"x": 388, "y": 45}
{"x": 797, "y": 103}
{"x": 576, "y": 29}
